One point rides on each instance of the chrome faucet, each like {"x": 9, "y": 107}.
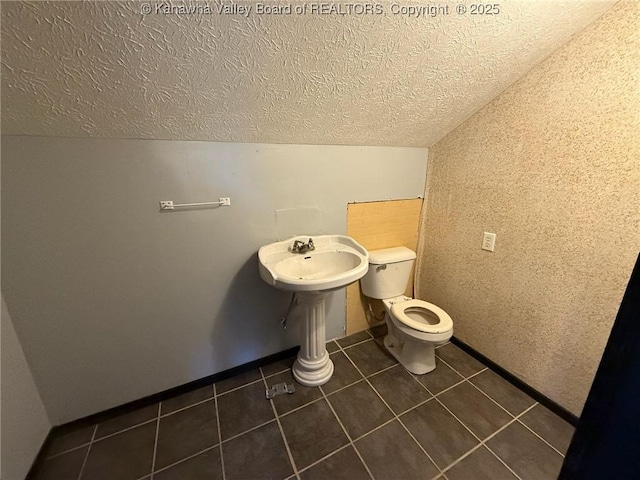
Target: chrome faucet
{"x": 300, "y": 247}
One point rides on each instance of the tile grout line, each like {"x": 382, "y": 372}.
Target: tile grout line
{"x": 157, "y": 419}
{"x": 182, "y": 409}
{"x": 463, "y": 457}
{"x": 125, "y": 430}
{"x": 249, "y": 430}
{"x": 496, "y": 433}
{"x": 351, "y": 442}
{"x": 182, "y": 460}
{"x": 477, "y": 373}
{"x": 540, "y": 436}
{"x": 325, "y": 396}
{"x": 420, "y": 447}
{"x": 490, "y": 397}
{"x": 364, "y": 435}
{"x": 494, "y": 401}
{"x": 214, "y": 397}
{"x": 354, "y": 344}
{"x": 341, "y": 350}
{"x": 464, "y": 379}
{"x": 458, "y": 372}
{"x": 441, "y": 391}
{"x": 335, "y": 340}
{"x": 93, "y": 439}
{"x": 335, "y": 414}
{"x": 484, "y": 442}
{"x": 284, "y": 438}
{"x": 73, "y": 449}
{"x": 86, "y": 455}
{"x": 215, "y": 402}
{"x": 96, "y": 440}
{"x": 343, "y": 388}
{"x": 218, "y": 444}
{"x": 518, "y": 419}
{"x": 502, "y": 461}
{"x": 385, "y": 369}
{"x": 155, "y": 442}
{"x": 295, "y": 409}
{"x": 461, "y": 422}
{"x": 242, "y": 386}
{"x": 434, "y": 397}
{"x": 328, "y": 455}
{"x": 279, "y": 372}
{"x": 189, "y": 457}
{"x": 396, "y": 417}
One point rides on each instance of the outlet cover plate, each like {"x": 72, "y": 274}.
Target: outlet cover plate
{"x": 489, "y": 241}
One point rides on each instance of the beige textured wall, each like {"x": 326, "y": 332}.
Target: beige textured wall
{"x": 552, "y": 165}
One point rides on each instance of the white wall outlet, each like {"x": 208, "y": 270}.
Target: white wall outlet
{"x": 489, "y": 241}
{"x": 166, "y": 205}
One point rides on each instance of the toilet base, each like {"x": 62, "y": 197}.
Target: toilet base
{"x": 415, "y": 356}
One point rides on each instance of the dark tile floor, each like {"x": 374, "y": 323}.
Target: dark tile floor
{"x": 371, "y": 420}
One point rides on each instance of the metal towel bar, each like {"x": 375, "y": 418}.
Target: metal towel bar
{"x": 169, "y": 205}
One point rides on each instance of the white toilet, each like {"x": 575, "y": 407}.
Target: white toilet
{"x": 415, "y": 327}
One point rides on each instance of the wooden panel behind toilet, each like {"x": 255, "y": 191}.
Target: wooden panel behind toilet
{"x": 378, "y": 225}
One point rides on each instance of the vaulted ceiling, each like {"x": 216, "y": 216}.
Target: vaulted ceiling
{"x": 111, "y": 70}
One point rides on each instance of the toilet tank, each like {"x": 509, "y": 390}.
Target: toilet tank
{"x": 389, "y": 272}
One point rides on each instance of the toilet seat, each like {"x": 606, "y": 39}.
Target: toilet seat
{"x": 419, "y": 315}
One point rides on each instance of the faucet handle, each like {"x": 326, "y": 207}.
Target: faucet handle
{"x": 300, "y": 247}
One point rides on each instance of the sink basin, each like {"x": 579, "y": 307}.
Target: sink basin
{"x": 336, "y": 262}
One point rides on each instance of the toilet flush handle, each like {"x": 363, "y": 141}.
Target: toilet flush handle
{"x": 381, "y": 267}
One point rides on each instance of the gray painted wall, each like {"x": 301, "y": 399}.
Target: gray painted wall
{"x": 24, "y": 421}
{"x": 113, "y": 300}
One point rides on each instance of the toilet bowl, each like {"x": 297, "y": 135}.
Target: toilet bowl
{"x": 415, "y": 327}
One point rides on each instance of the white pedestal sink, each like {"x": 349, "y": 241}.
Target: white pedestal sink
{"x": 335, "y": 262}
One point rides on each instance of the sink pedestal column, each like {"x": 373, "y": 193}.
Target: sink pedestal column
{"x": 313, "y": 366}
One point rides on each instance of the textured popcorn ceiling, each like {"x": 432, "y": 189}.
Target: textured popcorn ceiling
{"x": 102, "y": 69}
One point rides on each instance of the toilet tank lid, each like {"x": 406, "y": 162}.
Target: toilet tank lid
{"x": 391, "y": 255}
